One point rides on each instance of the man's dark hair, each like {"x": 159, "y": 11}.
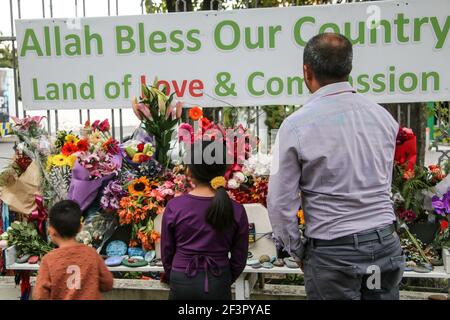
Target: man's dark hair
{"x": 329, "y": 55}
{"x": 65, "y": 217}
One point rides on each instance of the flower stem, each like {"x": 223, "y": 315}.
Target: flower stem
{"x": 414, "y": 241}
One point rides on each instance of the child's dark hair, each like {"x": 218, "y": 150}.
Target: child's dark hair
{"x": 65, "y": 217}
{"x": 220, "y": 213}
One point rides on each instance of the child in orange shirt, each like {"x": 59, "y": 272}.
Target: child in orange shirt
{"x": 73, "y": 271}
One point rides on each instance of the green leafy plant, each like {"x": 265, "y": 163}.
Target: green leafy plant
{"x": 25, "y": 238}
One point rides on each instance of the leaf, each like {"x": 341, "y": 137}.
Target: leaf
{"x": 145, "y": 91}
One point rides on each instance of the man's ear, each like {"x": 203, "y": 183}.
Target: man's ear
{"x": 307, "y": 74}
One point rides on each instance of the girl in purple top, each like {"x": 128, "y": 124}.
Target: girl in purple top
{"x": 204, "y": 236}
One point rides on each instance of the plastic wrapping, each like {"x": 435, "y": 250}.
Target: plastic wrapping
{"x": 97, "y": 227}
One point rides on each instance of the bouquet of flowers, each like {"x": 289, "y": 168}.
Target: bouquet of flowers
{"x": 25, "y": 238}
{"x": 145, "y": 199}
{"x": 98, "y": 161}
{"x": 137, "y": 152}
{"x": 248, "y": 187}
{"x": 21, "y": 179}
{"x": 247, "y": 176}
{"x": 158, "y": 117}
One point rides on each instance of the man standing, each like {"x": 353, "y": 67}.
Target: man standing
{"x": 335, "y": 156}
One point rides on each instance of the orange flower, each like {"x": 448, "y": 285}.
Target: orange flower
{"x": 301, "y": 216}
{"x": 133, "y": 243}
{"x": 408, "y": 174}
{"x": 155, "y": 236}
{"x": 69, "y": 148}
{"x": 195, "y": 113}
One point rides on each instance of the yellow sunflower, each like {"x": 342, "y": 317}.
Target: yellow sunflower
{"x": 139, "y": 187}
{"x": 59, "y": 160}
{"x": 72, "y": 138}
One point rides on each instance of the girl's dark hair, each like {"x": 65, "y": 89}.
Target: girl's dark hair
{"x": 205, "y": 164}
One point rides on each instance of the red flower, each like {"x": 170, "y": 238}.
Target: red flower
{"x": 23, "y": 162}
{"x": 111, "y": 145}
{"x": 87, "y": 124}
{"x": 104, "y": 126}
{"x": 241, "y": 197}
{"x": 82, "y": 145}
{"x": 95, "y": 124}
{"x": 69, "y": 148}
{"x": 444, "y": 225}
{"x": 205, "y": 123}
{"x": 143, "y": 158}
{"x": 140, "y": 147}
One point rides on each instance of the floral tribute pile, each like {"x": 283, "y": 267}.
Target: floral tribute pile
{"x": 129, "y": 184}
{"x": 421, "y": 197}
{"x": 247, "y": 176}
{"x": 121, "y": 184}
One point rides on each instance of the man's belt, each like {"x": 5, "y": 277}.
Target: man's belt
{"x": 377, "y": 234}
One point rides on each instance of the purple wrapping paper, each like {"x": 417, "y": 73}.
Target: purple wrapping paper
{"x": 82, "y": 190}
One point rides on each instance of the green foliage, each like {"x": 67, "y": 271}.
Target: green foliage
{"x": 442, "y": 130}
{"x": 276, "y": 115}
{"x": 25, "y": 238}
{"x": 152, "y": 7}
{"x": 132, "y": 275}
{"x": 195, "y": 5}
{"x": 411, "y": 188}
{"x": 61, "y": 138}
{"x": 6, "y": 56}
{"x": 241, "y": 4}
{"x": 230, "y": 117}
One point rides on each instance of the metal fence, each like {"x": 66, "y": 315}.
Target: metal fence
{"x": 254, "y": 117}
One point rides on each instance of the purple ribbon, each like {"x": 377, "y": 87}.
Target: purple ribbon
{"x": 39, "y": 214}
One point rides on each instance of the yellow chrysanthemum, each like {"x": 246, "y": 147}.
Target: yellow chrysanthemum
{"x": 70, "y": 160}
{"x": 59, "y": 160}
{"x": 72, "y": 138}
{"x": 49, "y": 163}
{"x": 218, "y": 182}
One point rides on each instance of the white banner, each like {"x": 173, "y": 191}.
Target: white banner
{"x": 238, "y": 58}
